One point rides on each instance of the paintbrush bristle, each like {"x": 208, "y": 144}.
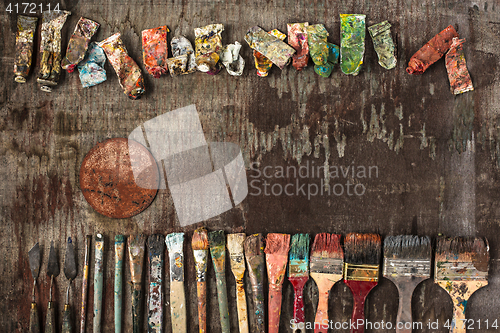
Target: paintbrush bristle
{"x": 200, "y": 239}
{"x": 254, "y": 245}
{"x": 327, "y": 245}
{"x": 407, "y": 247}
{"x": 235, "y": 243}
{"x": 299, "y": 249}
{"x": 277, "y": 244}
{"x": 362, "y": 249}
{"x": 216, "y": 238}
{"x": 174, "y": 242}
{"x": 462, "y": 249}
{"x": 156, "y": 244}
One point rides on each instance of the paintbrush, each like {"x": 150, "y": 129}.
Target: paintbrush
{"x": 136, "y": 246}
{"x": 119, "y": 253}
{"x": 235, "y": 248}
{"x": 277, "y": 246}
{"x": 34, "y": 260}
{"x": 199, "y": 243}
{"x": 361, "y": 270}
{"x": 461, "y": 269}
{"x": 175, "y": 243}
{"x": 98, "y": 279}
{"x": 52, "y": 271}
{"x": 217, "y": 244}
{"x": 407, "y": 262}
{"x": 254, "y": 255}
{"x": 85, "y": 283}
{"x": 298, "y": 274}
{"x": 327, "y": 258}
{"x": 156, "y": 248}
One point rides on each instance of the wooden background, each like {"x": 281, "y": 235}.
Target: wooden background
{"x": 438, "y": 154}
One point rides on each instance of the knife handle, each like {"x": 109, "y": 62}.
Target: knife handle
{"x": 34, "y": 320}
{"x": 50, "y": 324}
{"x": 66, "y": 324}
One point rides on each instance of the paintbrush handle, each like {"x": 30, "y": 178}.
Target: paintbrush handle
{"x": 178, "y": 307}
{"x": 223, "y": 307}
{"x": 118, "y": 285}
{"x": 136, "y": 307}
{"x": 50, "y": 323}
{"x": 406, "y": 287}
{"x": 201, "y": 288}
{"x": 98, "y": 284}
{"x": 259, "y": 308}
{"x": 298, "y": 301}
{"x": 85, "y": 282}
{"x": 274, "y": 307}
{"x": 241, "y": 303}
{"x": 322, "y": 310}
{"x": 66, "y": 323}
{"x": 34, "y": 320}
{"x": 360, "y": 290}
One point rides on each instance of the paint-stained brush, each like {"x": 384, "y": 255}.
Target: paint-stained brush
{"x": 70, "y": 271}
{"x": 217, "y": 244}
{"x": 407, "y": 262}
{"x": 461, "y": 268}
{"x": 136, "y": 245}
{"x": 98, "y": 281}
{"x": 298, "y": 274}
{"x": 175, "y": 243}
{"x": 362, "y": 253}
{"x": 156, "y": 249}
{"x": 235, "y": 248}
{"x": 199, "y": 243}
{"x": 85, "y": 283}
{"x": 327, "y": 259}
{"x": 119, "y": 253}
{"x": 34, "y": 260}
{"x": 52, "y": 271}
{"x": 254, "y": 255}
{"x": 277, "y": 246}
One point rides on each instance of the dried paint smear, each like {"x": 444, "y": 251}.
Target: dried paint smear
{"x": 271, "y": 47}
{"x": 262, "y": 63}
{"x": 208, "y": 45}
{"x": 383, "y": 44}
{"x": 91, "y": 68}
{"x": 458, "y": 74}
{"x": 26, "y": 27}
{"x": 297, "y": 38}
{"x": 155, "y": 50}
{"x": 232, "y": 59}
{"x": 79, "y": 43}
{"x": 352, "y": 43}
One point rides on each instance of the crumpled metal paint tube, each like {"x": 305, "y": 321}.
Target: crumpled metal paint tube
{"x": 50, "y": 48}
{"x": 432, "y": 51}
{"x": 297, "y": 38}
{"x": 26, "y": 27}
{"x": 456, "y": 67}
{"x": 262, "y": 63}
{"x": 79, "y": 43}
{"x": 155, "y": 50}
{"x": 352, "y": 42}
{"x": 232, "y": 60}
{"x": 184, "y": 61}
{"x": 270, "y": 46}
{"x": 129, "y": 74}
{"x": 208, "y": 45}
{"x": 323, "y": 54}
{"x": 91, "y": 68}
{"x": 383, "y": 44}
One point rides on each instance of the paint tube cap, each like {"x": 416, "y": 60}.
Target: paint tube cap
{"x": 20, "y": 79}
{"x": 46, "y": 89}
{"x": 207, "y": 62}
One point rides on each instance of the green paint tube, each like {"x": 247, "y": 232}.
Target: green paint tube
{"x": 352, "y": 42}
{"x": 383, "y": 44}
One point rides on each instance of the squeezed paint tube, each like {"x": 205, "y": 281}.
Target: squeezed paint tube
{"x": 383, "y": 44}
{"x": 50, "y": 48}
{"x": 79, "y": 43}
{"x": 26, "y": 27}
{"x": 333, "y": 58}
{"x": 297, "y": 38}
{"x": 155, "y": 50}
{"x": 456, "y": 67}
{"x": 184, "y": 61}
{"x": 91, "y": 68}
{"x": 129, "y": 74}
{"x": 231, "y": 58}
{"x": 324, "y": 55}
{"x": 352, "y": 42}
{"x": 270, "y": 46}
{"x": 208, "y": 45}
{"x": 432, "y": 51}
{"x": 262, "y": 63}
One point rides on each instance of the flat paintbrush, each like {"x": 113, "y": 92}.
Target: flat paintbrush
{"x": 277, "y": 247}
{"x": 407, "y": 262}
{"x": 175, "y": 245}
{"x": 327, "y": 258}
{"x": 361, "y": 270}
{"x": 136, "y": 249}
{"x": 217, "y": 243}
{"x": 235, "y": 248}
{"x": 461, "y": 269}
{"x": 199, "y": 243}
{"x": 156, "y": 249}
{"x": 298, "y": 275}
{"x": 254, "y": 255}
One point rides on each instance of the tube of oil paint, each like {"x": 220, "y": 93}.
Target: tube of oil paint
{"x": 183, "y": 60}
{"x": 26, "y": 27}
{"x": 383, "y": 44}
{"x": 79, "y": 43}
{"x": 91, "y": 68}
{"x": 232, "y": 60}
{"x": 352, "y": 42}
{"x": 324, "y": 55}
{"x": 273, "y": 48}
{"x": 50, "y": 48}
{"x": 155, "y": 50}
{"x": 456, "y": 67}
{"x": 262, "y": 63}
{"x": 129, "y": 74}
{"x": 297, "y": 38}
{"x": 208, "y": 45}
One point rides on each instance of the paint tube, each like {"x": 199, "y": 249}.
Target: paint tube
{"x": 324, "y": 55}
{"x": 129, "y": 74}
{"x": 155, "y": 50}
{"x": 432, "y": 51}
{"x": 383, "y": 44}
{"x": 297, "y": 38}
{"x": 208, "y": 45}
{"x": 456, "y": 67}
{"x": 262, "y": 63}
{"x": 333, "y": 58}
{"x": 79, "y": 43}
{"x": 352, "y": 42}
{"x": 184, "y": 61}
{"x": 91, "y": 68}
{"x": 232, "y": 60}
{"x": 270, "y": 46}
{"x": 50, "y": 48}
{"x": 26, "y": 27}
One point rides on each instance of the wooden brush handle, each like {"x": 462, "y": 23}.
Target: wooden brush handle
{"x": 201, "y": 287}
{"x": 50, "y": 324}
{"x": 298, "y": 301}
{"x": 322, "y": 310}
{"x": 178, "y": 307}
{"x": 360, "y": 290}
{"x": 241, "y": 303}
{"x": 136, "y": 307}
{"x": 274, "y": 307}
{"x": 66, "y": 323}
{"x": 406, "y": 286}
{"x": 34, "y": 320}
{"x": 223, "y": 306}
{"x": 259, "y": 308}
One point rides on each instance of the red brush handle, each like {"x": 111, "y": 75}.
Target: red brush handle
{"x": 360, "y": 290}
{"x": 298, "y": 301}
{"x": 274, "y": 307}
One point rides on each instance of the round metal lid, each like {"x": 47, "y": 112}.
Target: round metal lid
{"x": 107, "y": 178}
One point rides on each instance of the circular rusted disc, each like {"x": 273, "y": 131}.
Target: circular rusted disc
{"x": 107, "y": 179}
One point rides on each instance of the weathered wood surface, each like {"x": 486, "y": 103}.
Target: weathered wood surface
{"x": 410, "y": 127}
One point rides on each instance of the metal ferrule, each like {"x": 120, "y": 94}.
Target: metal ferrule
{"x": 459, "y": 271}
{"x": 407, "y": 267}
{"x": 361, "y": 272}
{"x": 326, "y": 265}
{"x": 297, "y": 268}
{"x": 200, "y": 260}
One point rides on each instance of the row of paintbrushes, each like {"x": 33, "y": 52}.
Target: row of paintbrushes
{"x": 461, "y": 267}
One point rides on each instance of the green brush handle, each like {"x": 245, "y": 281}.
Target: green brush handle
{"x": 50, "y": 324}
{"x": 223, "y": 307}
{"x": 136, "y": 307}
{"x": 66, "y": 324}
{"x": 34, "y": 320}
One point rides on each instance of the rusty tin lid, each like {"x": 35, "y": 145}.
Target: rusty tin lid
{"x": 107, "y": 178}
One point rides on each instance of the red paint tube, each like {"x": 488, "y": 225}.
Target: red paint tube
{"x": 155, "y": 50}
{"x": 79, "y": 43}
{"x": 456, "y": 67}
{"x": 26, "y": 27}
